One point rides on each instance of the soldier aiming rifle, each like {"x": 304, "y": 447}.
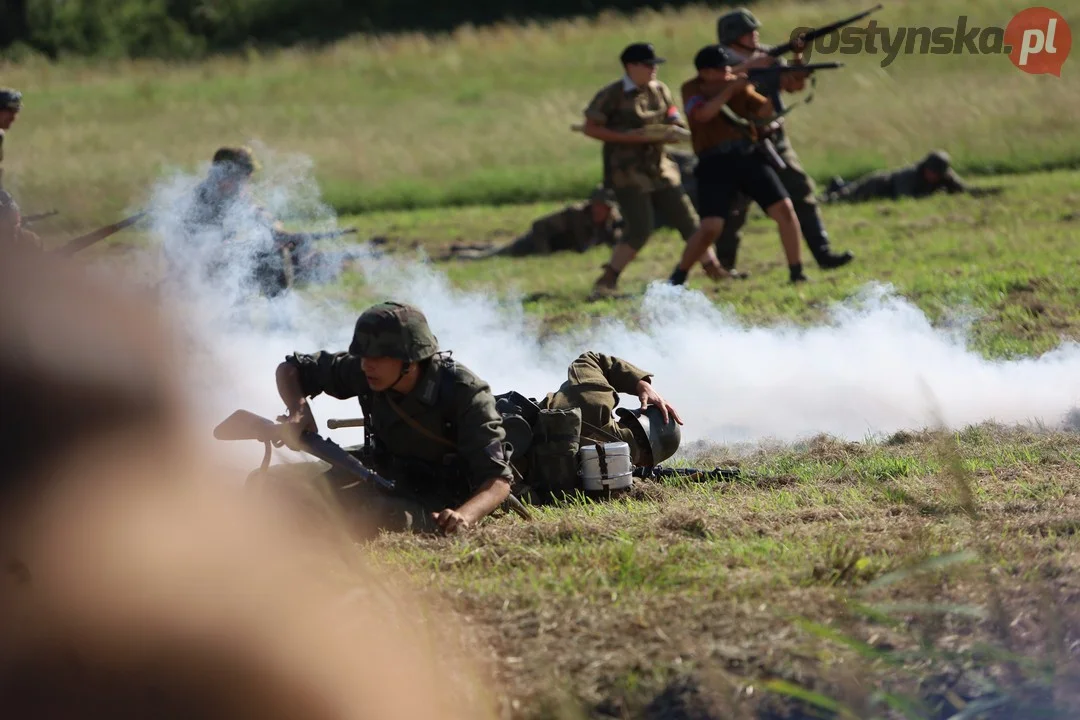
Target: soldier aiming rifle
{"x": 737, "y": 31}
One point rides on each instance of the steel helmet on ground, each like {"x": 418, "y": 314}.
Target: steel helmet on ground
{"x": 660, "y": 438}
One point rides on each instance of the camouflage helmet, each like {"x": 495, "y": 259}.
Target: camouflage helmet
{"x": 238, "y": 159}
{"x": 662, "y": 439}
{"x": 394, "y": 330}
{"x": 603, "y": 195}
{"x": 733, "y": 25}
{"x": 937, "y": 161}
{"x": 10, "y": 99}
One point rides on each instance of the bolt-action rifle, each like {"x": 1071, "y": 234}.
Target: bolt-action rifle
{"x": 809, "y": 35}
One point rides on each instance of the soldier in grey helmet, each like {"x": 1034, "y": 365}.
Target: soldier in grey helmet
{"x": 928, "y": 176}
{"x": 430, "y": 424}
{"x": 737, "y": 31}
{"x": 10, "y": 105}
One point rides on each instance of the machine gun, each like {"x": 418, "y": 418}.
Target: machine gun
{"x": 291, "y": 239}
{"x": 809, "y": 35}
{"x": 245, "y": 425}
{"x": 660, "y": 472}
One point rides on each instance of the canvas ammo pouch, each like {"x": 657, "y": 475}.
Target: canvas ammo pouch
{"x": 556, "y": 438}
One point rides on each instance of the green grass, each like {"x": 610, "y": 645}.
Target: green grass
{"x": 483, "y": 116}
{"x": 1006, "y": 265}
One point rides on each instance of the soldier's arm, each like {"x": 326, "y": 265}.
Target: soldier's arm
{"x": 480, "y": 445}
{"x": 702, "y": 110}
{"x": 953, "y": 184}
{"x": 623, "y": 376}
{"x": 306, "y": 376}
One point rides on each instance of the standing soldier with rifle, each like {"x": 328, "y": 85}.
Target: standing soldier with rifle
{"x": 734, "y": 156}
{"x": 10, "y": 105}
{"x": 622, "y": 116}
{"x": 737, "y": 31}
{"x": 430, "y": 424}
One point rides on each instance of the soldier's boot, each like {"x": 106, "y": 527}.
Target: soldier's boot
{"x": 818, "y": 240}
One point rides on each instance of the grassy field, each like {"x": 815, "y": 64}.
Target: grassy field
{"x": 922, "y": 575}
{"x": 483, "y": 116}
{"x": 925, "y": 574}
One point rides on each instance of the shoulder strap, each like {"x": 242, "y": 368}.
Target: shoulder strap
{"x": 417, "y": 426}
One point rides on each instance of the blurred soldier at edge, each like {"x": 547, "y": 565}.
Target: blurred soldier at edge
{"x": 737, "y": 31}
{"x": 12, "y": 234}
{"x": 10, "y": 105}
{"x": 635, "y": 165}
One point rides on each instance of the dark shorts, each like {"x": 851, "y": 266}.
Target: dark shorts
{"x": 723, "y": 176}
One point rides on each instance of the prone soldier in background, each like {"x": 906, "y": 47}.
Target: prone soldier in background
{"x": 928, "y": 176}
{"x": 643, "y": 177}
{"x": 577, "y": 227}
{"x": 737, "y": 31}
{"x": 10, "y": 105}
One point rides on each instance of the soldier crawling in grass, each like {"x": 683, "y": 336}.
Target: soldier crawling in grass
{"x": 643, "y": 177}
{"x": 930, "y": 175}
{"x": 434, "y": 428}
{"x": 577, "y": 227}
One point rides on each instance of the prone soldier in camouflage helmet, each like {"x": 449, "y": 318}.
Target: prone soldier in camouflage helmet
{"x": 12, "y": 234}
{"x": 430, "y": 424}
{"x": 222, "y": 208}
{"x": 643, "y": 177}
{"x": 576, "y": 227}
{"x": 931, "y": 174}
{"x": 737, "y": 31}
{"x": 10, "y": 105}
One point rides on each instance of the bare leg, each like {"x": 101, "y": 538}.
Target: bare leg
{"x": 783, "y": 212}
{"x": 699, "y": 244}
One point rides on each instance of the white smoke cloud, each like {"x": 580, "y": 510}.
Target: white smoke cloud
{"x": 877, "y": 367}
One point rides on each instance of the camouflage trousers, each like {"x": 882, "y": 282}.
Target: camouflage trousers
{"x": 639, "y": 209}
{"x": 800, "y": 187}
{"x": 590, "y": 392}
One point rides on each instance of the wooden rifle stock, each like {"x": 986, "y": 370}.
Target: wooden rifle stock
{"x": 84, "y": 241}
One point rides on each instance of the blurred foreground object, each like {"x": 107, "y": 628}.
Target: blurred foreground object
{"x": 138, "y": 584}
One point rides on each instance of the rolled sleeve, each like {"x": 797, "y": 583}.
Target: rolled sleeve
{"x": 480, "y": 434}
{"x": 599, "y": 109}
{"x": 623, "y": 376}
{"x": 336, "y": 374}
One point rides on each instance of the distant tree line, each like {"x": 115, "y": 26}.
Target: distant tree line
{"x": 193, "y": 28}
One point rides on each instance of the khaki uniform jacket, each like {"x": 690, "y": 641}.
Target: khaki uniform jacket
{"x": 572, "y": 228}
{"x": 645, "y": 166}
{"x": 449, "y": 401}
{"x": 593, "y": 384}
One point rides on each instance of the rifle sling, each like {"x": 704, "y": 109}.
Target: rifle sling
{"x": 411, "y": 422}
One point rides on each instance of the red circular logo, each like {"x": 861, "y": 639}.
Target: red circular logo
{"x": 1040, "y": 40}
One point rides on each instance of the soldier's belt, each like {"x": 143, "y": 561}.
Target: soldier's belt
{"x": 728, "y": 146}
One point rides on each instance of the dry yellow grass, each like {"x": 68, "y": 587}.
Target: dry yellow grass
{"x": 483, "y": 114}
